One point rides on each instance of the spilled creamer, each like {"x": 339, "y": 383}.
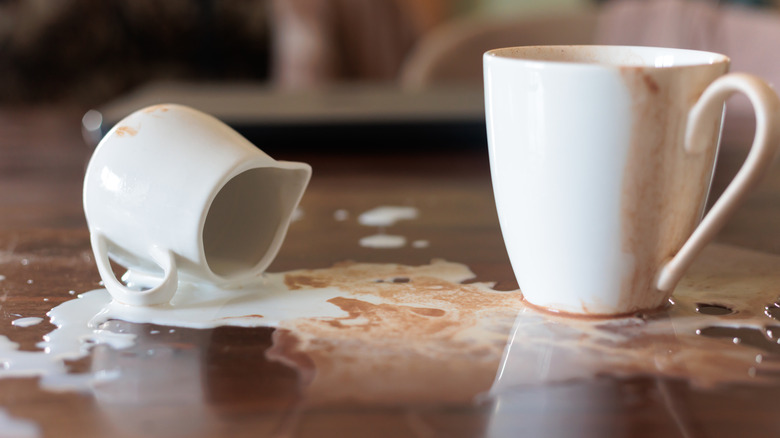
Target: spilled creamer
{"x": 27, "y": 322}
{"x": 421, "y": 328}
{"x": 383, "y": 217}
{"x": 85, "y": 322}
{"x": 11, "y": 427}
{"x": 386, "y": 216}
{"x": 383, "y": 241}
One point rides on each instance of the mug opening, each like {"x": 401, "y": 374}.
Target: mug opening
{"x": 618, "y": 56}
{"x": 243, "y": 221}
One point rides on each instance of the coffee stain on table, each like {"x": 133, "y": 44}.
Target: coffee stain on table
{"x": 415, "y": 342}
{"x": 402, "y": 341}
{"x": 390, "y": 334}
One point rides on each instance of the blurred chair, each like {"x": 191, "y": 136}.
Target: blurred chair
{"x": 321, "y": 42}
{"x": 749, "y": 36}
{"x": 452, "y": 53}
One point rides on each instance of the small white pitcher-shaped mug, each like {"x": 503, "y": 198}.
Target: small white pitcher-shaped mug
{"x": 173, "y": 194}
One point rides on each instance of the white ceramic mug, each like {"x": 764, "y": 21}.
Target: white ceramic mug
{"x": 601, "y": 159}
{"x": 174, "y": 194}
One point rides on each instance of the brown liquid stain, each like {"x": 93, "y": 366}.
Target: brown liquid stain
{"x": 403, "y": 341}
{"x": 664, "y": 187}
{"x": 126, "y": 131}
{"x": 295, "y": 282}
{"x": 244, "y": 316}
{"x": 414, "y": 342}
{"x": 162, "y": 108}
{"x": 651, "y": 84}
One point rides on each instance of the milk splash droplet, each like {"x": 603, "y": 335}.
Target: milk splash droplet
{"x": 386, "y": 216}
{"x": 27, "y": 322}
{"x": 297, "y": 215}
{"x": 383, "y": 241}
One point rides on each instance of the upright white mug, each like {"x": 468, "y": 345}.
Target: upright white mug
{"x": 174, "y": 194}
{"x": 601, "y": 159}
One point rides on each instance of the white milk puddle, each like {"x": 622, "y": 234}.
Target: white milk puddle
{"x": 87, "y": 321}
{"x": 17, "y": 428}
{"x": 386, "y": 216}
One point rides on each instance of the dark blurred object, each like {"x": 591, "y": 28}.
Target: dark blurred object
{"x": 87, "y": 51}
{"x": 317, "y": 42}
{"x": 452, "y": 53}
{"x": 348, "y": 118}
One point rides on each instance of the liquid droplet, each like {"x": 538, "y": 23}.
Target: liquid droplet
{"x": 713, "y": 309}
{"x": 773, "y": 312}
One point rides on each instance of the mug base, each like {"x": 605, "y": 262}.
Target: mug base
{"x": 640, "y": 313}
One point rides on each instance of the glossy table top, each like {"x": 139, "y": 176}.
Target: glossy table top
{"x": 403, "y": 348}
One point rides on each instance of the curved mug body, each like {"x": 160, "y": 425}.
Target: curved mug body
{"x": 173, "y": 192}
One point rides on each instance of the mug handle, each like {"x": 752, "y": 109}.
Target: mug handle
{"x": 707, "y": 109}
{"x": 160, "y": 294}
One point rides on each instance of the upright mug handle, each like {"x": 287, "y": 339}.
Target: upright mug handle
{"x": 160, "y": 294}
{"x": 765, "y": 145}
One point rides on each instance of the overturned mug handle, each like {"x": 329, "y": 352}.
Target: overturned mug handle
{"x": 707, "y": 109}
{"x": 160, "y": 294}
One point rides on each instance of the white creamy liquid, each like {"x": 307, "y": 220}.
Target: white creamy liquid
{"x": 27, "y": 322}
{"x": 17, "y": 428}
{"x": 391, "y": 307}
{"x": 86, "y": 321}
{"x": 386, "y": 216}
{"x": 382, "y": 217}
{"x": 296, "y": 215}
{"x": 383, "y": 241}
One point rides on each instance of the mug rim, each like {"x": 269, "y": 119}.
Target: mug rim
{"x": 562, "y": 55}
{"x": 298, "y": 170}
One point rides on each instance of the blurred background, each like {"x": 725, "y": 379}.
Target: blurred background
{"x": 90, "y": 51}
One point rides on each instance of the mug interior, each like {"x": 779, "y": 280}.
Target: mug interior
{"x": 620, "y": 56}
{"x": 243, "y": 221}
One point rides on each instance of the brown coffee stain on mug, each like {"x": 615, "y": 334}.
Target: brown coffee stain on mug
{"x": 162, "y": 108}
{"x": 664, "y": 187}
{"x": 126, "y": 131}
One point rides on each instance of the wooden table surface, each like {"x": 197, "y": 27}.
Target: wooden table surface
{"x": 236, "y": 388}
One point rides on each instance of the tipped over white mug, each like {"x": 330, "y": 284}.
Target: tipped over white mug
{"x": 173, "y": 194}
{"x": 601, "y": 159}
